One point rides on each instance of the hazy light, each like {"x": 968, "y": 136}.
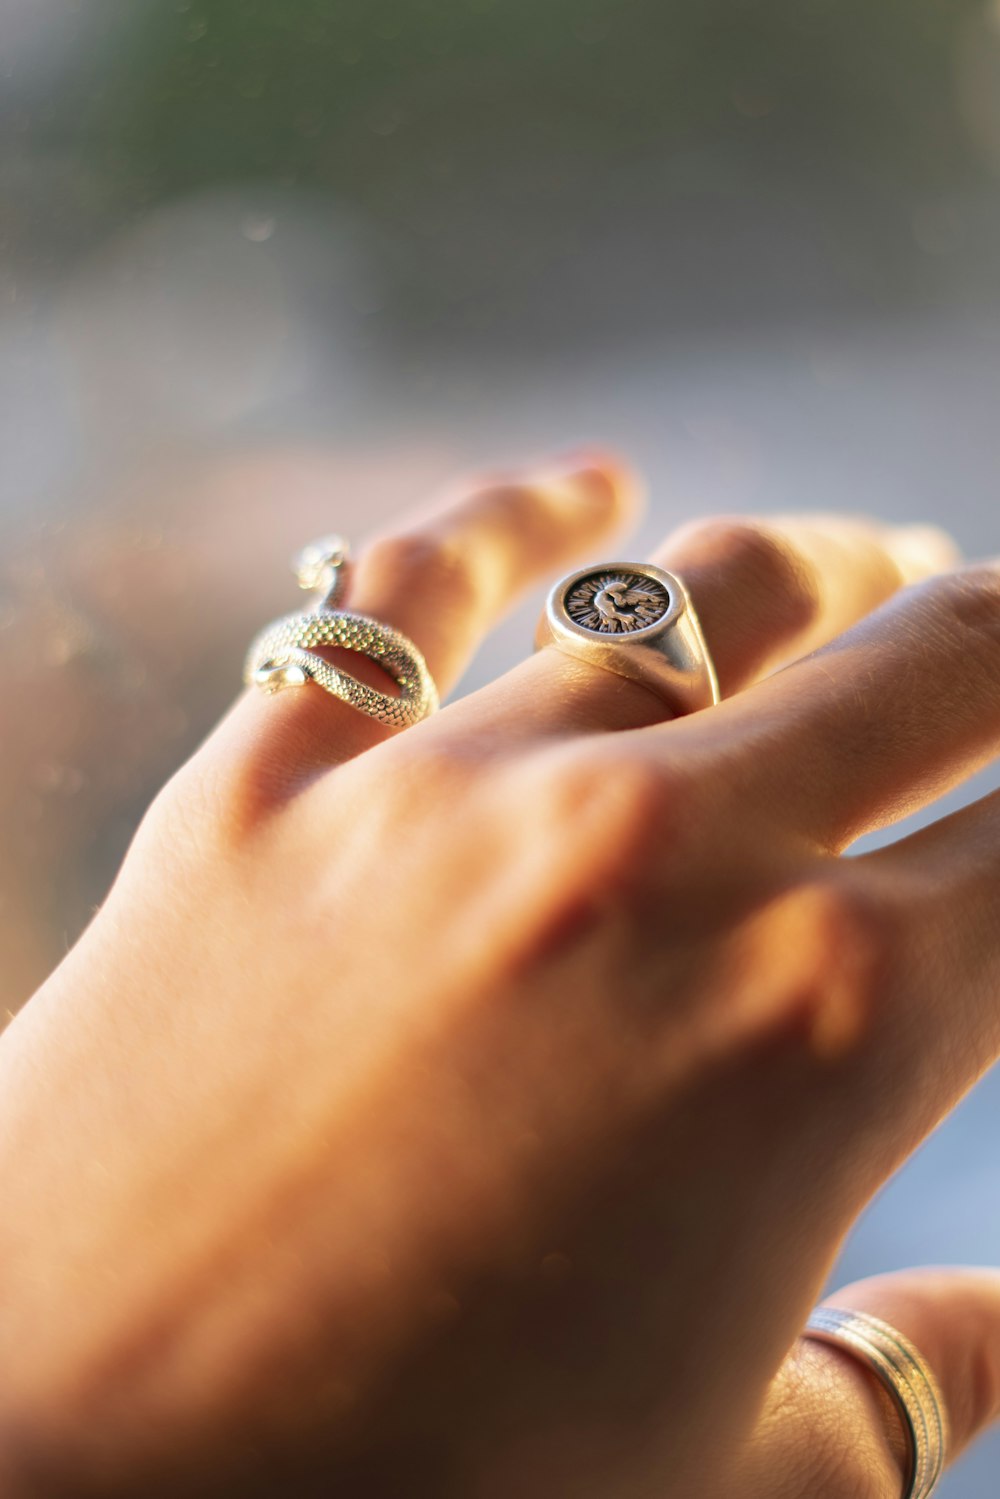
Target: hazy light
{"x": 977, "y": 74}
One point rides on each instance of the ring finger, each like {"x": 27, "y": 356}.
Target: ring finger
{"x": 766, "y": 592}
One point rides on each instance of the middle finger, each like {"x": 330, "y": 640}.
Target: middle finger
{"x": 765, "y": 591}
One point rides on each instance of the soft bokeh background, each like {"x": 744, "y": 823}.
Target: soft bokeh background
{"x": 270, "y": 266}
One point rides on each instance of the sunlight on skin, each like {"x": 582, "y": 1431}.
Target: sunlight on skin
{"x": 125, "y": 687}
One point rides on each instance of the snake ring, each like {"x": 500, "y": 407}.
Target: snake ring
{"x": 284, "y": 654}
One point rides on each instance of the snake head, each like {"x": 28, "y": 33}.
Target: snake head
{"x": 274, "y": 676}
{"x": 317, "y": 564}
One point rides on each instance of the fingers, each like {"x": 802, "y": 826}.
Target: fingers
{"x": 941, "y": 1024}
{"x": 952, "y": 1317}
{"x": 764, "y": 591}
{"x": 445, "y": 579}
{"x": 442, "y": 579}
{"x": 885, "y": 719}
{"x": 830, "y": 1425}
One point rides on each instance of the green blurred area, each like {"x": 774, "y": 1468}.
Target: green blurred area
{"x": 487, "y": 144}
{"x": 382, "y": 99}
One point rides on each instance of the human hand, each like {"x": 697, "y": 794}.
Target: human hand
{"x": 481, "y": 1108}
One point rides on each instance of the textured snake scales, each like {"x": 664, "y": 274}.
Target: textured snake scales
{"x": 282, "y": 655}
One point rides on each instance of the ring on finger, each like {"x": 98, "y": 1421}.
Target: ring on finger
{"x": 907, "y": 1377}
{"x": 637, "y": 621}
{"x": 283, "y": 654}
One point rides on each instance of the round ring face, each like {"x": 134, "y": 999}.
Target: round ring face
{"x": 616, "y": 602}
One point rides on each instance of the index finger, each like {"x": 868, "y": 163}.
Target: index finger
{"x": 442, "y": 579}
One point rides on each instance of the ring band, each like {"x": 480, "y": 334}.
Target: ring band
{"x": 282, "y": 655}
{"x": 637, "y": 621}
{"x": 907, "y": 1377}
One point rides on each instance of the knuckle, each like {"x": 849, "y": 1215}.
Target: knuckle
{"x": 218, "y": 802}
{"x": 760, "y": 559}
{"x": 967, "y": 604}
{"x": 636, "y": 805}
{"x": 441, "y": 779}
{"x": 511, "y": 517}
{"x": 433, "y": 767}
{"x": 435, "y": 563}
{"x": 510, "y": 500}
{"x": 616, "y": 817}
{"x": 516, "y": 506}
{"x": 186, "y": 825}
{"x": 826, "y": 947}
{"x": 582, "y": 833}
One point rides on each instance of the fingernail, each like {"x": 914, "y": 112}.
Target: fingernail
{"x": 920, "y": 550}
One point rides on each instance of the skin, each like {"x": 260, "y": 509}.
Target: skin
{"x": 112, "y": 678}
{"x": 480, "y": 1109}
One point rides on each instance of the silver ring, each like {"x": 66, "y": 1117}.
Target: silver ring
{"x": 637, "y": 621}
{"x": 282, "y": 655}
{"x": 907, "y": 1377}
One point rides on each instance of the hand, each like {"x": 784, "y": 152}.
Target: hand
{"x": 479, "y": 1110}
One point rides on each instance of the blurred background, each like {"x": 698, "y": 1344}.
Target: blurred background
{"x": 269, "y": 267}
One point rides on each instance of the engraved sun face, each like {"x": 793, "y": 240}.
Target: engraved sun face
{"x": 617, "y": 603}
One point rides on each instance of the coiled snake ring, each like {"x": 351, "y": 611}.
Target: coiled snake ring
{"x": 283, "y": 656}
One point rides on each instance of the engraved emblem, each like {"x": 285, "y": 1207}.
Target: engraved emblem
{"x": 617, "y": 603}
